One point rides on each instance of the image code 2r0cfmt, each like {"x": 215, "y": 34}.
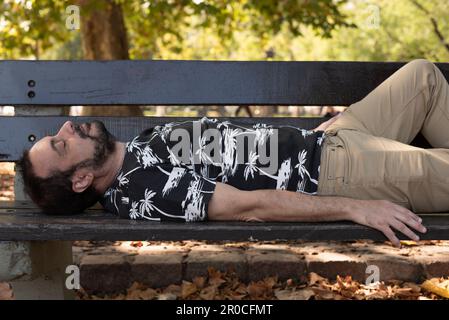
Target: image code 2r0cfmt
{"x": 249, "y": 309}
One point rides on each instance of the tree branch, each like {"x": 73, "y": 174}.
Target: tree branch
{"x": 434, "y": 22}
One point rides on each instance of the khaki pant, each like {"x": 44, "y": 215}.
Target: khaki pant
{"x": 366, "y": 152}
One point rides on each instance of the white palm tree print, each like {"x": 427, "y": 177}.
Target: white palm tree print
{"x": 193, "y": 205}
{"x": 173, "y": 180}
{"x": 122, "y": 177}
{"x": 147, "y": 206}
{"x": 263, "y": 133}
{"x": 281, "y": 178}
{"x": 284, "y": 175}
{"x": 202, "y": 155}
{"x": 302, "y": 171}
{"x": 133, "y": 211}
{"x": 148, "y": 158}
{"x": 111, "y": 193}
{"x": 229, "y": 163}
{"x": 302, "y": 157}
{"x": 164, "y": 131}
{"x": 301, "y": 185}
{"x": 134, "y": 145}
{"x": 174, "y": 160}
{"x": 251, "y": 166}
{"x": 306, "y": 133}
{"x": 320, "y": 140}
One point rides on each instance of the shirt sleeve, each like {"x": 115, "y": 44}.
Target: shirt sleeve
{"x": 168, "y": 193}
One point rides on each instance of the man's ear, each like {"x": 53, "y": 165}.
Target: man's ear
{"x": 81, "y": 180}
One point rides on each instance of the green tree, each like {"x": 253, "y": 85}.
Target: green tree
{"x": 404, "y": 31}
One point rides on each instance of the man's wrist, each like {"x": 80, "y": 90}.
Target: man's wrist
{"x": 348, "y": 208}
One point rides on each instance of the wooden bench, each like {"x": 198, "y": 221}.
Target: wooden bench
{"x": 39, "y": 89}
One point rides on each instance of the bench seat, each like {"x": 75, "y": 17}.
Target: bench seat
{"x": 21, "y": 220}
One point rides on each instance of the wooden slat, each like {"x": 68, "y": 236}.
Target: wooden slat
{"x": 26, "y": 224}
{"x": 143, "y": 82}
{"x": 16, "y": 131}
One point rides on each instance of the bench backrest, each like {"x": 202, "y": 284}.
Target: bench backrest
{"x": 56, "y": 83}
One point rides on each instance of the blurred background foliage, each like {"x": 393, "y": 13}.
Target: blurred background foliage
{"x": 357, "y": 30}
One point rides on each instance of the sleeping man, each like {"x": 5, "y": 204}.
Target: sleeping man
{"x": 357, "y": 166}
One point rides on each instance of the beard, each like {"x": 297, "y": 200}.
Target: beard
{"x": 104, "y": 143}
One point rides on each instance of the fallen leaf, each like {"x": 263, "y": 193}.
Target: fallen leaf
{"x": 432, "y": 285}
{"x": 415, "y": 288}
{"x": 409, "y": 243}
{"x": 304, "y": 294}
{"x": 404, "y": 293}
{"x": 187, "y": 289}
{"x": 323, "y": 294}
{"x": 215, "y": 277}
{"x": 135, "y": 286}
{"x": 148, "y": 294}
{"x": 270, "y": 282}
{"x": 136, "y": 244}
{"x": 166, "y": 296}
{"x": 173, "y": 289}
{"x": 381, "y": 294}
{"x": 208, "y": 293}
{"x": 315, "y": 278}
{"x": 6, "y": 292}
{"x": 199, "y": 282}
{"x": 257, "y": 289}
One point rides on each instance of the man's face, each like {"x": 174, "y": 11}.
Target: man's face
{"x": 88, "y": 143}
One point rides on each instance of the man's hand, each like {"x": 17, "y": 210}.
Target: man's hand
{"x": 323, "y": 126}
{"x": 384, "y": 216}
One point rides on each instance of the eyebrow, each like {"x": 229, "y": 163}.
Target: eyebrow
{"x": 52, "y": 144}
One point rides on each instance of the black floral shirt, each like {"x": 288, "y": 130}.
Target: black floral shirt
{"x": 164, "y": 178}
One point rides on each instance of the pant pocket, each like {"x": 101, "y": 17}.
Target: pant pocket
{"x": 336, "y": 160}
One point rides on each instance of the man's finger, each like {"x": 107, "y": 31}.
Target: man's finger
{"x": 402, "y": 228}
{"x": 411, "y": 214}
{"x": 391, "y": 236}
{"x": 412, "y": 223}
{"x": 407, "y": 212}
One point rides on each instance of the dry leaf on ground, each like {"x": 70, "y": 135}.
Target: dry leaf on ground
{"x": 438, "y": 286}
{"x": 6, "y": 292}
{"x": 303, "y": 294}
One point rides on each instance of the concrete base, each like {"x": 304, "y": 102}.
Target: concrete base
{"x": 15, "y": 260}
{"x": 48, "y": 260}
{"x": 42, "y": 288}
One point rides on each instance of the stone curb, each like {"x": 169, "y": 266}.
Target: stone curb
{"x": 158, "y": 266}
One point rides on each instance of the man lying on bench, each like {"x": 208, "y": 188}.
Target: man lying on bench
{"x": 357, "y": 166}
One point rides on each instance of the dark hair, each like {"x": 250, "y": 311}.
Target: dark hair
{"x": 54, "y": 194}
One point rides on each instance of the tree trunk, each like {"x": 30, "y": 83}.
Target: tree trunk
{"x": 104, "y": 38}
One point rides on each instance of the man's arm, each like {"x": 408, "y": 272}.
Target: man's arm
{"x": 231, "y": 204}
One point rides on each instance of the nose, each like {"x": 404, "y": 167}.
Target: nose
{"x": 66, "y": 129}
